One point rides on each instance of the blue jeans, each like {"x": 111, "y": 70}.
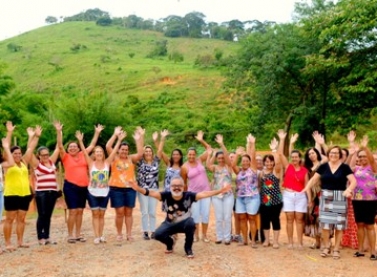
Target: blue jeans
{"x": 223, "y": 214}
{"x": 45, "y": 201}
{"x": 148, "y": 212}
{"x": 1, "y": 204}
{"x": 200, "y": 210}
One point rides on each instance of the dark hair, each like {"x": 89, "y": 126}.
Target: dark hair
{"x": 247, "y": 156}
{"x": 219, "y": 153}
{"x": 307, "y": 162}
{"x": 296, "y": 151}
{"x": 124, "y": 143}
{"x": 1, "y": 156}
{"x": 192, "y": 148}
{"x": 339, "y": 149}
{"x": 14, "y": 148}
{"x": 180, "y": 160}
{"x": 345, "y": 150}
{"x": 72, "y": 141}
{"x": 41, "y": 148}
{"x": 270, "y": 157}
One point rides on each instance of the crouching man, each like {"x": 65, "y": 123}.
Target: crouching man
{"x": 177, "y": 203}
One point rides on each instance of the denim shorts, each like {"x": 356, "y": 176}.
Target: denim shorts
{"x": 248, "y": 204}
{"x": 74, "y": 196}
{"x": 97, "y": 202}
{"x": 122, "y": 197}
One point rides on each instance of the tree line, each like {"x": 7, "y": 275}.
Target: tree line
{"x": 191, "y": 25}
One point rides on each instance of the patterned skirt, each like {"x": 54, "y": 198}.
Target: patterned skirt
{"x": 333, "y": 210}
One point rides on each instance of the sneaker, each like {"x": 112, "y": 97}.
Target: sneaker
{"x": 146, "y": 236}
{"x": 97, "y": 241}
{"x": 227, "y": 242}
{"x": 189, "y": 254}
{"x": 236, "y": 238}
{"x": 102, "y": 239}
{"x": 152, "y": 235}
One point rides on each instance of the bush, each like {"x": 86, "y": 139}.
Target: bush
{"x": 14, "y": 47}
{"x": 160, "y": 49}
{"x": 176, "y": 57}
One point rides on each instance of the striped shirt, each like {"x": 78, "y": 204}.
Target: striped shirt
{"x": 46, "y": 177}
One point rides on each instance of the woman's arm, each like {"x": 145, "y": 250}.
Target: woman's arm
{"x": 110, "y": 142}
{"x": 199, "y": 137}
{"x": 27, "y": 157}
{"x": 283, "y": 159}
{"x": 80, "y": 137}
{"x": 160, "y": 148}
{"x": 349, "y": 191}
{"x": 292, "y": 142}
{"x": 184, "y": 176}
{"x": 320, "y": 145}
{"x": 59, "y": 138}
{"x": 239, "y": 151}
{"x": 311, "y": 182}
{"x": 220, "y": 140}
{"x": 55, "y": 155}
{"x": 251, "y": 150}
{"x": 97, "y": 130}
{"x": 210, "y": 162}
{"x": 9, "y": 161}
{"x": 139, "y": 139}
{"x": 10, "y": 128}
{"x": 114, "y": 151}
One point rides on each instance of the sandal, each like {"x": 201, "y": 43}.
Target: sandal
{"x": 71, "y": 240}
{"x": 266, "y": 244}
{"x": 358, "y": 254}
{"x": 129, "y": 238}
{"x": 373, "y": 257}
{"x": 23, "y": 246}
{"x": 336, "y": 254}
{"x": 168, "y": 251}
{"x": 325, "y": 252}
{"x": 119, "y": 238}
{"x": 81, "y": 239}
{"x": 275, "y": 246}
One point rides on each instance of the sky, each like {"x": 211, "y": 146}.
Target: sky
{"x": 18, "y": 16}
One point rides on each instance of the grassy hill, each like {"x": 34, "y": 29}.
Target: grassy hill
{"x": 61, "y": 63}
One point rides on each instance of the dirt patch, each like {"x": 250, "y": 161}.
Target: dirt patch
{"x": 147, "y": 258}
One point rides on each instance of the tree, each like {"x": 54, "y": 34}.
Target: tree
{"x": 6, "y": 82}
{"x": 51, "y": 19}
{"x": 195, "y": 23}
{"x": 104, "y": 21}
{"x": 175, "y": 26}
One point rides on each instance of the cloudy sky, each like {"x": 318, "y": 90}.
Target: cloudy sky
{"x": 17, "y": 16}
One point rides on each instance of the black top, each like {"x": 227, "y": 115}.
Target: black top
{"x": 177, "y": 210}
{"x": 334, "y": 181}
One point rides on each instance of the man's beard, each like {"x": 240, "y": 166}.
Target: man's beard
{"x": 176, "y": 194}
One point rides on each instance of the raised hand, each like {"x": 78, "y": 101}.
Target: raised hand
{"x": 250, "y": 138}
{"x": 209, "y": 151}
{"x": 321, "y": 139}
{"x": 122, "y": 135}
{"x": 136, "y": 135}
{"x": 38, "y": 131}
{"x": 281, "y": 134}
{"x": 155, "y": 136}
{"x": 10, "y": 127}
{"x": 99, "y": 128}
{"x": 164, "y": 133}
{"x": 294, "y": 138}
{"x": 351, "y": 136}
{"x": 79, "y": 135}
{"x": 199, "y": 136}
{"x": 240, "y": 150}
{"x": 30, "y": 131}
{"x": 140, "y": 130}
{"x": 117, "y": 130}
{"x": 274, "y": 144}
{"x": 58, "y": 126}
{"x": 219, "y": 139}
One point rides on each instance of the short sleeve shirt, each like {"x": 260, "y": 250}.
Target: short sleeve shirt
{"x": 177, "y": 210}
{"x": 147, "y": 174}
{"x": 334, "y": 181}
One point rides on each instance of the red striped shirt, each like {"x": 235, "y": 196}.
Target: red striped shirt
{"x": 46, "y": 177}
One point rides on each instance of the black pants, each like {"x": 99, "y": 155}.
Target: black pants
{"x": 45, "y": 201}
{"x": 270, "y": 214}
{"x": 166, "y": 229}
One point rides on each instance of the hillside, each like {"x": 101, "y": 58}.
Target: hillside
{"x": 61, "y": 61}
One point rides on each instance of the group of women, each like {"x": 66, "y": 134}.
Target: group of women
{"x": 312, "y": 192}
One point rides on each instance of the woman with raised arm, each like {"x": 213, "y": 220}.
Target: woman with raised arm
{"x": 17, "y": 193}
{"x": 364, "y": 200}
{"x": 334, "y": 176}
{"x": 98, "y": 188}
{"x": 6, "y": 160}
{"x": 147, "y": 177}
{"x": 247, "y": 189}
{"x": 295, "y": 180}
{"x": 222, "y": 203}
{"x": 76, "y": 181}
{"x": 46, "y": 190}
{"x": 122, "y": 196}
{"x": 194, "y": 174}
{"x": 271, "y": 198}
{"x": 312, "y": 160}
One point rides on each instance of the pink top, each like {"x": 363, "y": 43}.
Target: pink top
{"x": 197, "y": 176}
{"x": 366, "y": 184}
{"x": 295, "y": 179}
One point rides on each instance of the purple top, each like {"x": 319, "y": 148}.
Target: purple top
{"x": 366, "y": 184}
{"x": 247, "y": 183}
{"x": 197, "y": 177}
